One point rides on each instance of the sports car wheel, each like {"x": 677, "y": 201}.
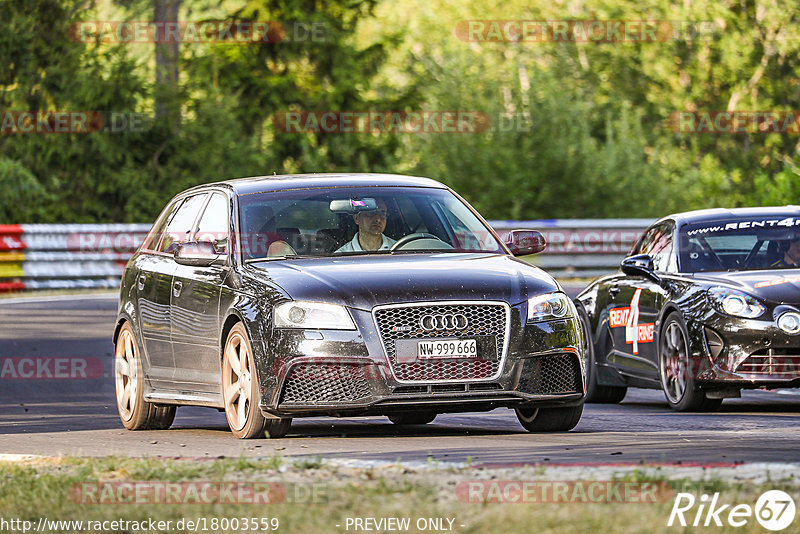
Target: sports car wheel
{"x": 595, "y": 393}
{"x": 421, "y": 418}
{"x": 135, "y": 412}
{"x": 240, "y": 391}
{"x": 677, "y": 376}
{"x": 549, "y": 419}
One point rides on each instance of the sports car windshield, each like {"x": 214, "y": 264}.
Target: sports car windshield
{"x": 320, "y": 222}
{"x": 739, "y": 245}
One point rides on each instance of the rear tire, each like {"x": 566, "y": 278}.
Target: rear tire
{"x": 549, "y": 419}
{"x": 596, "y": 393}
{"x": 134, "y": 411}
{"x": 677, "y": 377}
{"x": 421, "y": 418}
{"x": 240, "y": 392}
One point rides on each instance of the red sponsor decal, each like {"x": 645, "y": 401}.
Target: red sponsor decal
{"x": 58, "y": 368}
{"x": 635, "y": 332}
{"x": 777, "y": 282}
{"x": 618, "y": 317}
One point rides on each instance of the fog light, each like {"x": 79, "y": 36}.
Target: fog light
{"x": 789, "y": 322}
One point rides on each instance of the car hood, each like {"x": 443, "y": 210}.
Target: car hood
{"x": 779, "y": 285}
{"x": 367, "y": 281}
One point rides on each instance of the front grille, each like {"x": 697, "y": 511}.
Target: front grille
{"x": 325, "y": 384}
{"x": 550, "y": 375}
{"x": 403, "y": 322}
{"x": 772, "y": 363}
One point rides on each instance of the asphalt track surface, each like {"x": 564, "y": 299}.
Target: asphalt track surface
{"x": 78, "y": 416}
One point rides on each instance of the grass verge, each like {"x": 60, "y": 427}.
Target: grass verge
{"x": 317, "y": 496}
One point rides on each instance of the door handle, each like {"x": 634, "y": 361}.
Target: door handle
{"x": 613, "y": 291}
{"x": 142, "y": 280}
{"x": 176, "y": 288}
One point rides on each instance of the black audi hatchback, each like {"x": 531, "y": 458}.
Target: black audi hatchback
{"x": 340, "y": 295}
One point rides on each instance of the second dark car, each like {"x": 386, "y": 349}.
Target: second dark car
{"x": 706, "y": 304}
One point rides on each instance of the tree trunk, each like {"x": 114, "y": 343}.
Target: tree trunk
{"x": 167, "y": 103}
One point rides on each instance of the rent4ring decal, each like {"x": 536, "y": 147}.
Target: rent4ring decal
{"x": 628, "y": 317}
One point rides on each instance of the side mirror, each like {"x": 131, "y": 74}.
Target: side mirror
{"x": 638, "y": 265}
{"x": 197, "y": 254}
{"x": 524, "y": 242}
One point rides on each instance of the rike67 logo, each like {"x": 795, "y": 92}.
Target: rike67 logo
{"x": 774, "y": 510}
{"x": 635, "y": 332}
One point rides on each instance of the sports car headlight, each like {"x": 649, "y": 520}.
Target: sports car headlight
{"x": 317, "y": 315}
{"x": 550, "y": 306}
{"x": 734, "y": 302}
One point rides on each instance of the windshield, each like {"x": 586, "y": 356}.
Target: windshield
{"x": 741, "y": 245}
{"x": 360, "y": 220}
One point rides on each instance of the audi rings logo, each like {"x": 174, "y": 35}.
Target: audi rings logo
{"x": 446, "y": 321}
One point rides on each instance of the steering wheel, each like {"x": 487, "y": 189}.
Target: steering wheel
{"x": 405, "y": 240}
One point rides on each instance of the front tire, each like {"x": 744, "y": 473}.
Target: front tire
{"x": 596, "y": 393}
{"x": 549, "y": 419}
{"x": 240, "y": 391}
{"x": 675, "y": 370}
{"x": 421, "y": 418}
{"x": 134, "y": 411}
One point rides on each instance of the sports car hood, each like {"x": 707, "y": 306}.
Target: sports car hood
{"x": 780, "y": 285}
{"x": 367, "y": 281}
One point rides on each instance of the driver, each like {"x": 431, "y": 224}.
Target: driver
{"x": 371, "y": 225}
{"x": 791, "y": 254}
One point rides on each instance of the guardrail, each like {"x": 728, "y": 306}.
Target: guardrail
{"x": 58, "y": 256}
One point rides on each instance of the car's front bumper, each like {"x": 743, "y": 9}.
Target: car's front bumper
{"x": 744, "y": 353}
{"x": 349, "y": 373}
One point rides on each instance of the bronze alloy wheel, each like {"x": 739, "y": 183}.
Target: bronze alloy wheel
{"x": 135, "y": 412}
{"x": 240, "y": 391}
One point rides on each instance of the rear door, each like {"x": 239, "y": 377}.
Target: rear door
{"x": 195, "y": 305}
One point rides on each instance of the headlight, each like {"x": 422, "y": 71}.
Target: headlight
{"x": 789, "y": 322}
{"x": 734, "y": 302}
{"x": 317, "y": 315}
{"x": 550, "y": 306}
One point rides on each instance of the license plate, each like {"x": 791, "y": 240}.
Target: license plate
{"x": 447, "y": 348}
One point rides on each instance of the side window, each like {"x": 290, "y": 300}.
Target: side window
{"x": 658, "y": 244}
{"x": 213, "y": 225}
{"x": 180, "y": 227}
{"x": 152, "y": 239}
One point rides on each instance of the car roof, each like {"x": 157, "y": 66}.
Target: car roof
{"x": 732, "y": 214}
{"x": 258, "y": 184}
